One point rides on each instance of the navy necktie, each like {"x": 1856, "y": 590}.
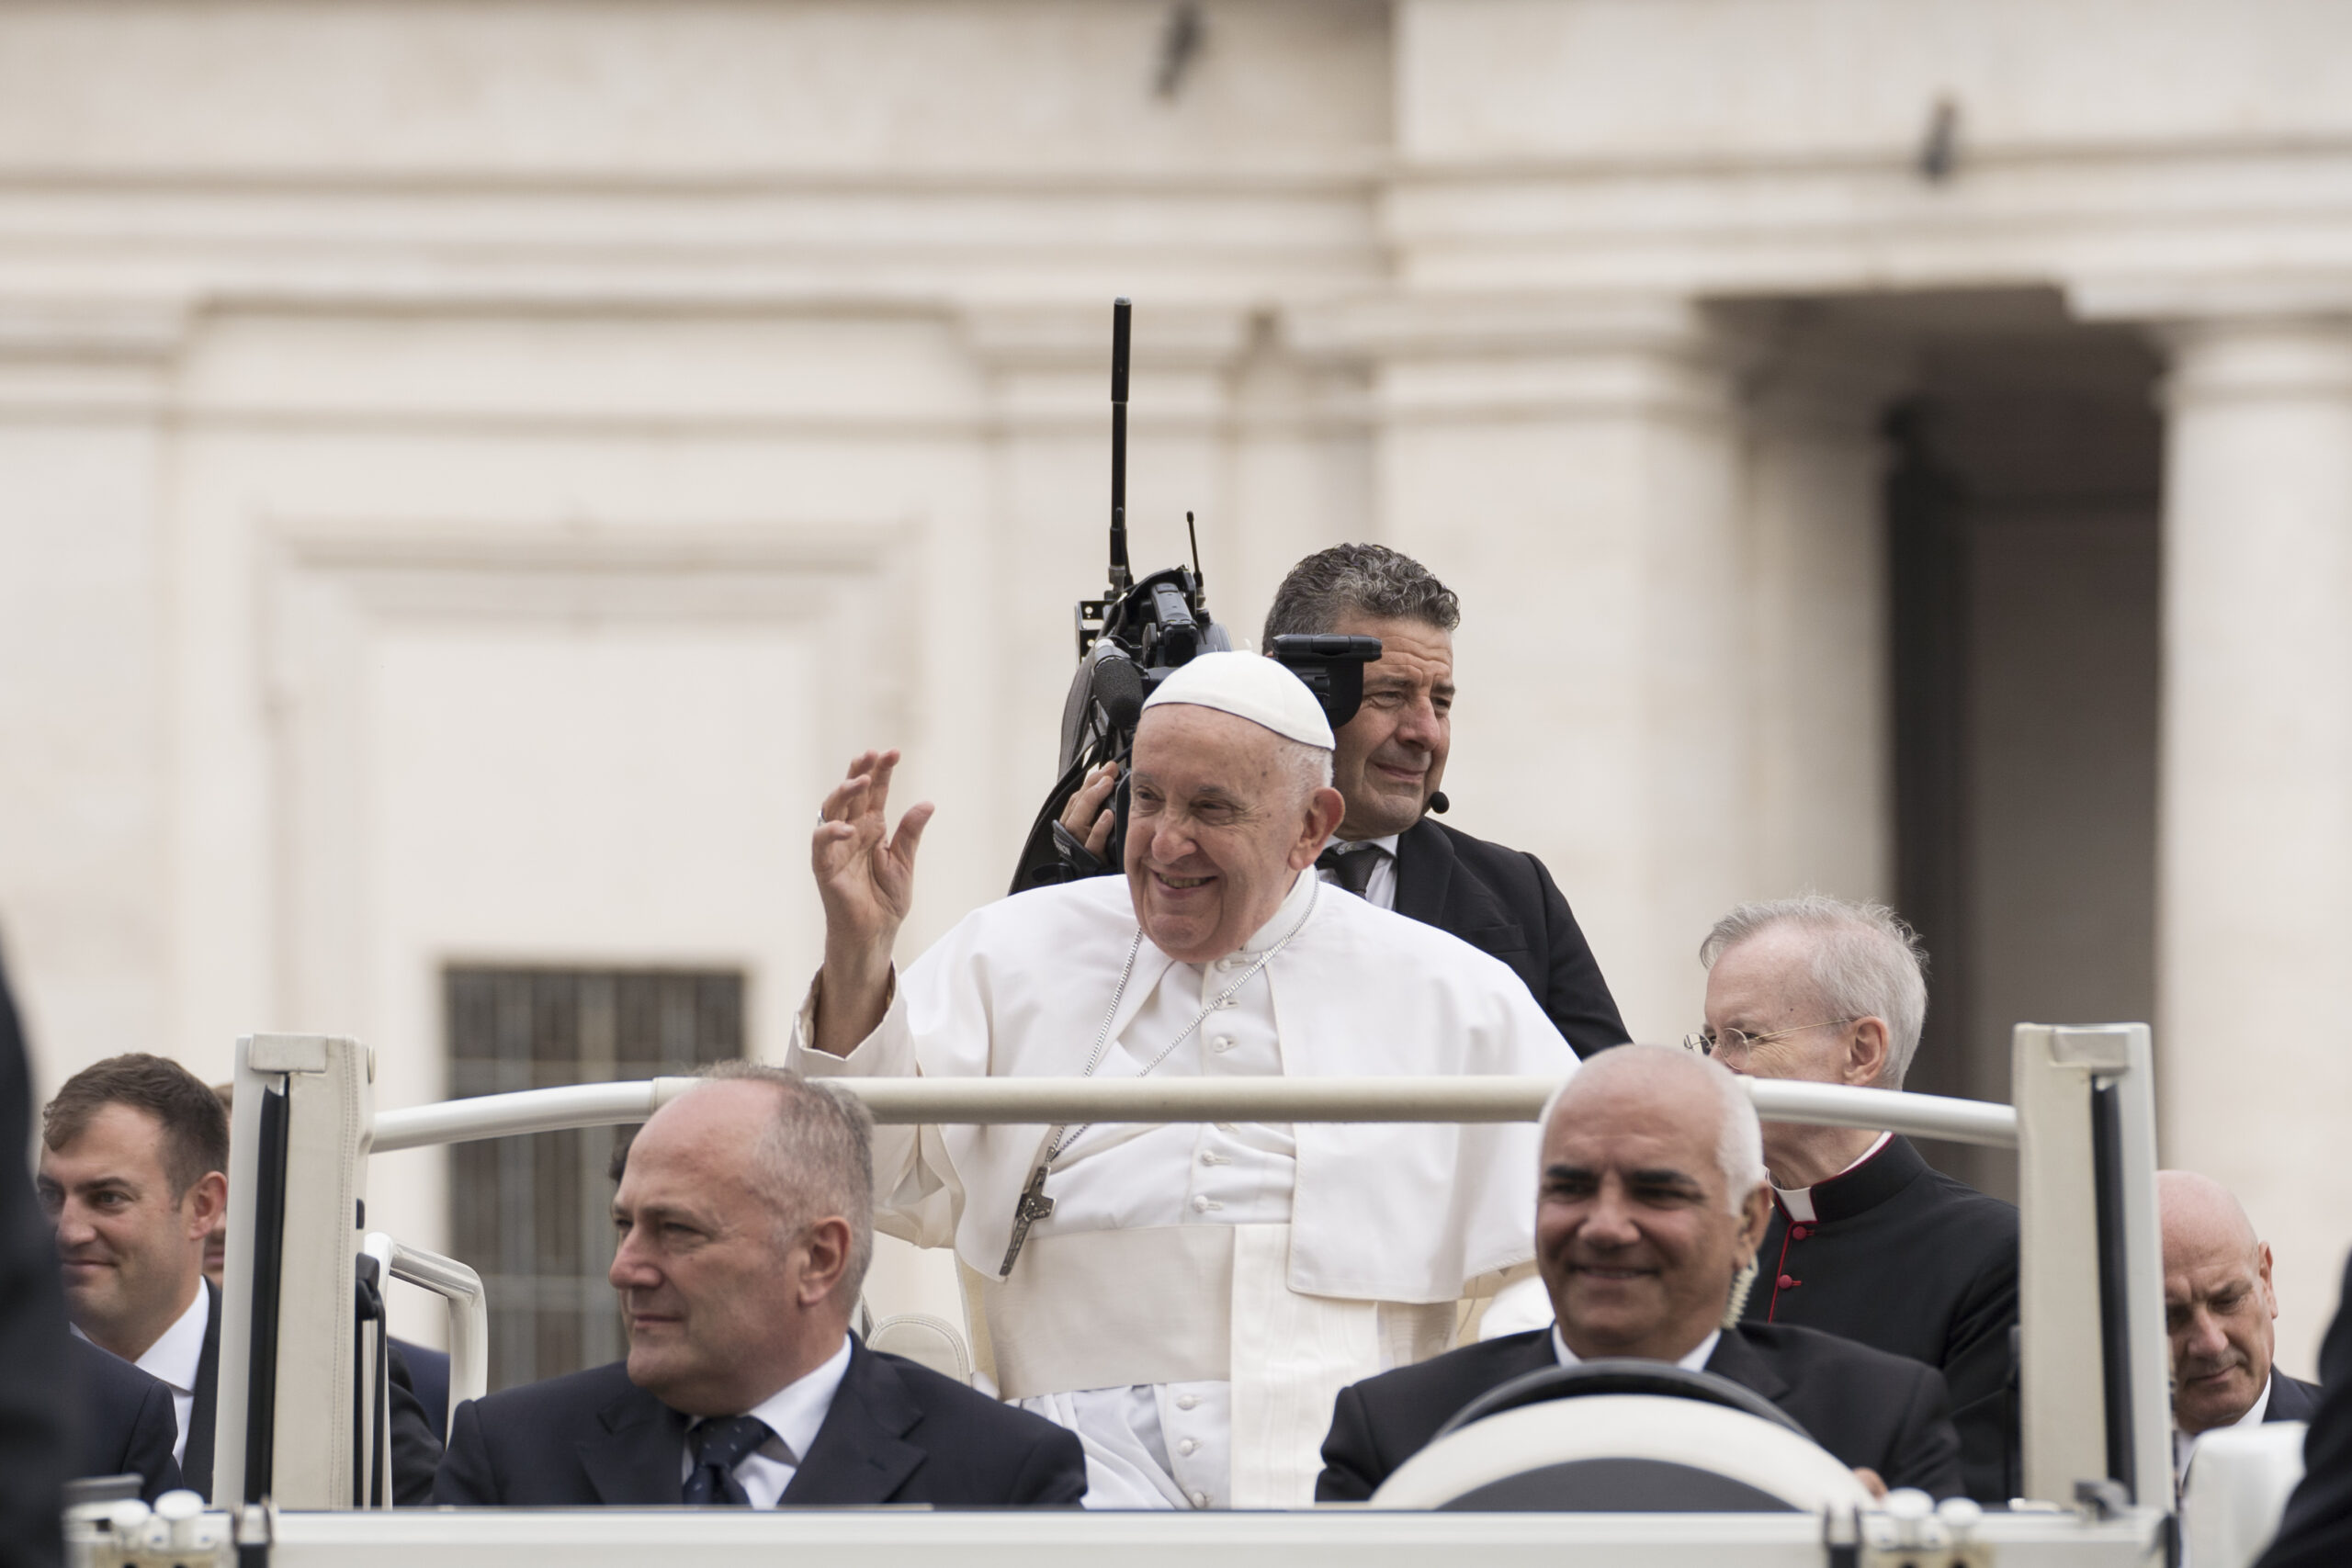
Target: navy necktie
{"x": 1351, "y": 869}
{"x": 720, "y": 1447}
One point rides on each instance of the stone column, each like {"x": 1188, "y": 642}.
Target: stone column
{"x": 1572, "y": 469}
{"x": 1820, "y": 670}
{"x": 2255, "y": 857}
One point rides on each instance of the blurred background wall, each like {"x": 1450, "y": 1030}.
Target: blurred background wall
{"x": 470, "y": 474}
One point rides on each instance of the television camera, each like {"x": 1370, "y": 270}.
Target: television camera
{"x": 1131, "y": 639}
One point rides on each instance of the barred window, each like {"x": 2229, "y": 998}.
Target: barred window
{"x": 533, "y": 1214}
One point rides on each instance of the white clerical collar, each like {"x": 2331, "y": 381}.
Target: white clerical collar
{"x": 1696, "y": 1362}
{"x": 2183, "y": 1444}
{"x": 1287, "y": 915}
{"x": 1798, "y": 1201}
{"x": 796, "y": 1412}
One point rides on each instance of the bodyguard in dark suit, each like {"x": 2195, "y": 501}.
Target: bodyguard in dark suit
{"x": 2220, "y": 1314}
{"x": 1874, "y": 1411}
{"x": 34, "y": 1454}
{"x": 1647, "y": 1209}
{"x": 1866, "y": 1240}
{"x": 2316, "y": 1530}
{"x": 132, "y": 1173}
{"x": 896, "y": 1432}
{"x": 743, "y": 1214}
{"x": 125, "y": 1425}
{"x": 1388, "y": 766}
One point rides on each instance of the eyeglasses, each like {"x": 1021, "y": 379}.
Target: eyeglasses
{"x": 1739, "y": 1042}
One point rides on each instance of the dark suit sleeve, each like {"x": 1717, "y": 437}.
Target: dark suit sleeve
{"x": 1976, "y": 1371}
{"x": 1575, "y": 997}
{"x": 465, "y": 1476}
{"x": 417, "y": 1452}
{"x": 1925, "y": 1450}
{"x": 2316, "y": 1530}
{"x": 1352, "y": 1470}
{"x": 34, "y": 1452}
{"x": 152, "y": 1435}
{"x": 1053, "y": 1472}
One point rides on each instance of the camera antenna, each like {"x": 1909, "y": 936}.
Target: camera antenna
{"x": 1121, "y": 578}
{"x": 1200, "y": 578}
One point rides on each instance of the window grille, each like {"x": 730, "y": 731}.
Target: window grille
{"x": 533, "y": 1214}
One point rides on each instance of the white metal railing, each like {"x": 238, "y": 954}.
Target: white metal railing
{"x": 1024, "y": 1101}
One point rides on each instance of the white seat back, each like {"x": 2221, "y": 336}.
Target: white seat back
{"x": 2238, "y": 1483}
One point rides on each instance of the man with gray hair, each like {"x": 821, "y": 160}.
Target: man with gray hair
{"x": 744, "y": 1227}
{"x": 1866, "y": 1240}
{"x": 1651, "y": 1198}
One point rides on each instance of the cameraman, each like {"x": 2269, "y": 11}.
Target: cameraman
{"x": 1390, "y": 761}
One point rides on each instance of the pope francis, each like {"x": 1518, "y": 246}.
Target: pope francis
{"x": 1189, "y": 1298}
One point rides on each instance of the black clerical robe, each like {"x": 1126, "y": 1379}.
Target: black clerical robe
{"x": 1905, "y": 1259}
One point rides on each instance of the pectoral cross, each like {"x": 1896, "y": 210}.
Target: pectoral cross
{"x": 1033, "y": 1206}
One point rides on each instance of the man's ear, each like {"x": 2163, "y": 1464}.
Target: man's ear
{"x": 1324, "y": 810}
{"x": 204, "y": 1201}
{"x": 2262, "y": 1272}
{"x": 1755, "y": 1218}
{"x": 1866, "y": 1057}
{"x": 827, "y": 1244}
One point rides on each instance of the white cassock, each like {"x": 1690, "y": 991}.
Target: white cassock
{"x": 1200, "y": 1294}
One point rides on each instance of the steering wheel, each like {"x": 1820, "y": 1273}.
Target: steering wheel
{"x": 1622, "y": 1374}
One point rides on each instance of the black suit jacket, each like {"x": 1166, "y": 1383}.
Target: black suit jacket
{"x": 428, "y": 1374}
{"x": 1905, "y": 1259}
{"x": 2316, "y": 1531}
{"x": 128, "y": 1426}
{"x": 417, "y": 1452}
{"x": 896, "y": 1433}
{"x": 34, "y": 1453}
{"x": 1863, "y": 1405}
{"x": 2291, "y": 1399}
{"x": 1504, "y": 902}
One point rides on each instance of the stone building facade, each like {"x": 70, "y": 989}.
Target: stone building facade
{"x": 469, "y": 475}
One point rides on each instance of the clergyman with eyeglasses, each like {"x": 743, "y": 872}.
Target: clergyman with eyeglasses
{"x": 1866, "y": 1239}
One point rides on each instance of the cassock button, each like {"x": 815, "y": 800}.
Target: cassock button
{"x": 1188, "y": 1401}
{"x": 1199, "y": 1499}
{"x": 1798, "y": 1233}
{"x": 1201, "y": 1205}
{"x": 1786, "y": 1284}
{"x": 1189, "y": 1445}
{"x": 1222, "y": 1043}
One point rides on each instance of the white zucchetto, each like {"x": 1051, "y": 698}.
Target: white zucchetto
{"x": 1261, "y": 690}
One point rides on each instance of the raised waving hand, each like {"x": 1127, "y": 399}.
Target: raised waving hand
{"x": 865, "y": 876}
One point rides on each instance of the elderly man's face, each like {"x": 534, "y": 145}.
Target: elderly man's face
{"x": 1218, "y": 826}
{"x": 709, "y": 1272}
{"x": 1391, "y": 756}
{"x": 1633, "y": 1234}
{"x": 2218, "y": 1312}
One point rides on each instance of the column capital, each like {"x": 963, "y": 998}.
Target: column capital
{"x": 2252, "y": 356}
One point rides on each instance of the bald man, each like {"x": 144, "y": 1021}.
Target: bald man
{"x": 1651, "y": 1196}
{"x": 2219, "y": 1310}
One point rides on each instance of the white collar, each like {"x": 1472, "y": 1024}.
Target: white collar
{"x": 2183, "y": 1444}
{"x": 173, "y": 1357}
{"x": 1286, "y": 915}
{"x": 1798, "y": 1201}
{"x": 1346, "y": 846}
{"x": 796, "y": 1412}
{"x": 1696, "y": 1362}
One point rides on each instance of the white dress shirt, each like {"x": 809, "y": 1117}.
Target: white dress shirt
{"x": 793, "y": 1414}
{"x": 2183, "y": 1444}
{"x": 1798, "y": 1201}
{"x": 174, "y": 1359}
{"x": 1696, "y": 1362}
{"x": 1381, "y": 890}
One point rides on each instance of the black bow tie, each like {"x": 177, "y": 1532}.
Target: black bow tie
{"x": 1351, "y": 869}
